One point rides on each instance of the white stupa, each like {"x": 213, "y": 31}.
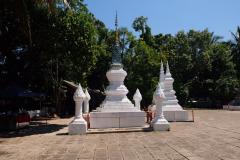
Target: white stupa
{"x": 172, "y": 110}
{"x": 116, "y": 93}
{"x": 117, "y": 110}
{"x": 171, "y": 102}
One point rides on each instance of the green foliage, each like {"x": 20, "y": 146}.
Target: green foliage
{"x": 65, "y": 41}
{"x": 65, "y": 46}
{"x": 142, "y": 64}
{"x": 223, "y": 73}
{"x": 235, "y": 45}
{"x": 201, "y": 66}
{"x": 140, "y": 25}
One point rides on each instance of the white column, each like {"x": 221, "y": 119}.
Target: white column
{"x": 159, "y": 123}
{"x": 161, "y": 80}
{"x": 137, "y": 98}
{"x": 78, "y": 108}
{"x": 86, "y": 102}
{"x": 78, "y": 125}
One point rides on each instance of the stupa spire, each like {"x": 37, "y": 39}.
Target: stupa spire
{"x": 168, "y": 73}
{"x": 116, "y": 28}
{"x": 116, "y": 54}
{"x": 161, "y": 78}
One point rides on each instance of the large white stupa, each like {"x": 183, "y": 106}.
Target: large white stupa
{"x": 117, "y": 110}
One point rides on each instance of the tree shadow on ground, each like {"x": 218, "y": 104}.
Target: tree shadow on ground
{"x": 33, "y": 129}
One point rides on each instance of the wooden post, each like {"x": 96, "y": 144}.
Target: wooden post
{"x": 193, "y": 116}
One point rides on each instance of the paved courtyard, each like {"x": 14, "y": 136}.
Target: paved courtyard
{"x": 214, "y": 135}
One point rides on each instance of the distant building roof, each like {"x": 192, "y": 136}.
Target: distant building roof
{"x": 71, "y": 84}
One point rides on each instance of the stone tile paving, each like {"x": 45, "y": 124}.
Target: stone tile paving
{"x": 214, "y": 135}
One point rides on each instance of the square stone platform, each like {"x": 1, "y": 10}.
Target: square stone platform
{"x": 231, "y": 107}
{"x": 176, "y": 116}
{"x": 117, "y": 119}
{"x": 175, "y": 113}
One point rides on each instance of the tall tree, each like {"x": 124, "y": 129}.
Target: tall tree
{"x": 142, "y": 64}
{"x": 236, "y": 50}
{"x": 140, "y": 25}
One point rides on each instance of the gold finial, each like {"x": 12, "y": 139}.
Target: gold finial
{"x": 116, "y": 27}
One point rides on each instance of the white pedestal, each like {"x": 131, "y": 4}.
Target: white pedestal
{"x": 234, "y": 108}
{"x": 178, "y": 116}
{"x": 117, "y": 119}
{"x": 77, "y": 126}
{"x": 161, "y": 125}
{"x": 174, "y": 112}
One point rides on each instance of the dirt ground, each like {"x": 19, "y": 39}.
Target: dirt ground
{"x": 214, "y": 135}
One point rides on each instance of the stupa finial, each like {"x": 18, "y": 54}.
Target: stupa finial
{"x": 168, "y": 73}
{"x": 116, "y": 28}
{"x": 116, "y": 55}
{"x": 167, "y": 67}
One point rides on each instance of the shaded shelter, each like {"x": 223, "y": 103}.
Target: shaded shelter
{"x": 14, "y": 97}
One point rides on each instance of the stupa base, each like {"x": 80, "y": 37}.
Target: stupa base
{"x": 161, "y": 124}
{"x": 232, "y": 108}
{"x": 176, "y": 116}
{"x": 175, "y": 113}
{"x": 77, "y": 126}
{"x": 117, "y": 119}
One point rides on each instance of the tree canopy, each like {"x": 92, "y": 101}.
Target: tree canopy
{"x": 45, "y": 42}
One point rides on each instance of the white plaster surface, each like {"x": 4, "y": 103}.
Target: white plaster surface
{"x": 172, "y": 110}
{"x": 77, "y": 126}
{"x": 116, "y": 99}
{"x": 117, "y": 119}
{"x": 234, "y": 108}
{"x": 137, "y": 97}
{"x": 86, "y": 102}
{"x": 117, "y": 110}
{"x": 177, "y": 116}
{"x": 174, "y": 114}
{"x": 161, "y": 125}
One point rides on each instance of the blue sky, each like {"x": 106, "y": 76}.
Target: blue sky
{"x": 171, "y": 16}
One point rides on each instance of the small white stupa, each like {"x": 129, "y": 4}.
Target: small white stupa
{"x": 137, "y": 97}
{"x": 78, "y": 125}
{"x": 172, "y": 110}
{"x": 159, "y": 123}
{"x": 171, "y": 102}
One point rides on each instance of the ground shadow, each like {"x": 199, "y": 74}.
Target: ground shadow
{"x": 103, "y": 131}
{"x": 112, "y": 130}
{"x": 33, "y": 129}
{"x": 62, "y": 134}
